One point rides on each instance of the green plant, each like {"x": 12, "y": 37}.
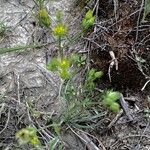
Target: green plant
{"x": 61, "y": 66}
{"x": 88, "y": 20}
{"x": 79, "y": 100}
{"x": 44, "y": 19}
{"x": 79, "y": 60}
{"x": 110, "y": 100}
{"x": 43, "y": 16}
{"x": 91, "y": 76}
{"x": 60, "y": 31}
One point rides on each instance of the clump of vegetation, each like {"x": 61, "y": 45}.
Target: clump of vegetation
{"x": 91, "y": 76}
{"x": 76, "y": 104}
{"x": 77, "y": 100}
{"x": 44, "y": 19}
{"x": 43, "y": 16}
{"x": 88, "y": 20}
{"x": 110, "y": 100}
{"x": 61, "y": 66}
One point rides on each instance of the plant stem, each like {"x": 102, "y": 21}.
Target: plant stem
{"x": 21, "y": 47}
{"x": 60, "y": 49}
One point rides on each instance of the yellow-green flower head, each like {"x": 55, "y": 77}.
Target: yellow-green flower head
{"x": 60, "y": 30}
{"x": 34, "y": 140}
{"x": 64, "y": 63}
{"x": 44, "y": 18}
{"x": 23, "y": 136}
{"x": 27, "y": 135}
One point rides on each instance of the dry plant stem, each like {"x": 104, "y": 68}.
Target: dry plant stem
{"x": 60, "y": 88}
{"x": 88, "y": 141}
{"x": 96, "y": 7}
{"x": 100, "y": 143}
{"x": 115, "y": 119}
{"x": 130, "y": 136}
{"x": 28, "y": 112}
{"x": 115, "y": 8}
{"x": 138, "y": 64}
{"x": 85, "y": 139}
{"x": 60, "y": 49}
{"x": 138, "y": 145}
{"x": 44, "y": 132}
{"x": 138, "y": 21}
{"x": 2, "y": 108}
{"x": 92, "y": 40}
{"x": 47, "y": 75}
{"x": 145, "y": 85}
{"x": 18, "y": 89}
{"x": 123, "y": 18}
{"x": 7, "y": 121}
{"x": 113, "y": 62}
{"x": 88, "y": 55}
{"x": 33, "y": 124}
{"x": 125, "y": 107}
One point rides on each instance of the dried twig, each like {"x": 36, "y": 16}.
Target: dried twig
{"x": 115, "y": 8}
{"x": 88, "y": 141}
{"x": 115, "y": 119}
{"x": 18, "y": 88}
{"x": 138, "y": 21}
{"x": 113, "y": 62}
{"x": 2, "y": 108}
{"x": 145, "y": 85}
{"x": 7, "y": 121}
{"x": 130, "y": 136}
{"x": 125, "y": 107}
{"x": 138, "y": 144}
{"x": 90, "y": 145}
{"x": 48, "y": 75}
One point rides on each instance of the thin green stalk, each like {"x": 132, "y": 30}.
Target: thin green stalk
{"x": 20, "y": 47}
